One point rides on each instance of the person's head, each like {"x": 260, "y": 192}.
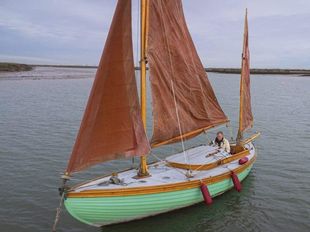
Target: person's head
{"x": 219, "y": 135}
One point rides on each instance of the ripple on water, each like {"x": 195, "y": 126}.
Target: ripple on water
{"x": 39, "y": 121}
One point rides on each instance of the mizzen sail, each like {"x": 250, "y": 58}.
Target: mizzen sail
{"x": 112, "y": 127}
{"x": 184, "y": 103}
{"x": 245, "y": 115}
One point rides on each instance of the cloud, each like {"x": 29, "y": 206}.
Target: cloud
{"x": 62, "y": 20}
{"x": 73, "y": 31}
{"x": 25, "y": 59}
{"x": 279, "y": 33}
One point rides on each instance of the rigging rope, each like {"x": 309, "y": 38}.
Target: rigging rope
{"x": 58, "y": 210}
{"x": 168, "y": 164}
{"x": 230, "y": 131}
{"x": 209, "y": 140}
{"x": 179, "y": 124}
{"x": 138, "y": 37}
{"x": 172, "y": 86}
{"x": 137, "y": 62}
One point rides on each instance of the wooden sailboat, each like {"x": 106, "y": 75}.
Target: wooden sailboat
{"x": 184, "y": 105}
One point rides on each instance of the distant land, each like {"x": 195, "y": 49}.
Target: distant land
{"x": 14, "y": 67}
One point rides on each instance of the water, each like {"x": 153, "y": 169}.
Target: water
{"x": 40, "y": 112}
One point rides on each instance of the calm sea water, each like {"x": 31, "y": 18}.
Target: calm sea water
{"x": 40, "y": 112}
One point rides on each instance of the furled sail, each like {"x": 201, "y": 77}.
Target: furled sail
{"x": 179, "y": 83}
{"x": 246, "y": 116}
{"x": 112, "y": 126}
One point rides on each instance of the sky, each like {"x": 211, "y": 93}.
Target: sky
{"x": 74, "y": 31}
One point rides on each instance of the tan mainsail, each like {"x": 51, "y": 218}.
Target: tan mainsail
{"x": 112, "y": 127}
{"x": 178, "y": 79}
{"x": 245, "y": 116}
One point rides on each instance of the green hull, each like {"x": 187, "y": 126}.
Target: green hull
{"x": 99, "y": 211}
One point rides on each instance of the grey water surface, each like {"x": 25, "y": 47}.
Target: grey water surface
{"x": 40, "y": 113}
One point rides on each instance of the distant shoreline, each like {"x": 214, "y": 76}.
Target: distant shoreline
{"x": 271, "y": 71}
{"x": 14, "y": 67}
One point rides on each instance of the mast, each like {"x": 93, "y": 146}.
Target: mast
{"x": 143, "y": 170}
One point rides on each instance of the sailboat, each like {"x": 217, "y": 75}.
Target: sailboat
{"x": 184, "y": 105}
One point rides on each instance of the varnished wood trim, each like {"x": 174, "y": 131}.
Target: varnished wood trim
{"x": 250, "y": 139}
{"x": 200, "y": 167}
{"x": 158, "y": 188}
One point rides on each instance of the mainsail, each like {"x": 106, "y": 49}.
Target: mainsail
{"x": 184, "y": 103}
{"x": 112, "y": 127}
{"x": 245, "y": 116}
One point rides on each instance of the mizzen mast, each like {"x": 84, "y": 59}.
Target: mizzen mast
{"x": 143, "y": 170}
